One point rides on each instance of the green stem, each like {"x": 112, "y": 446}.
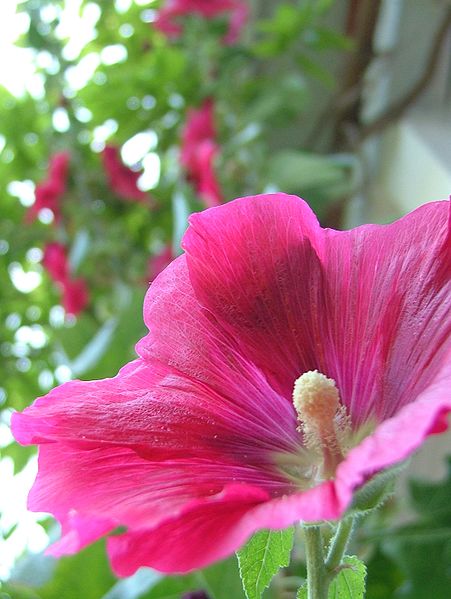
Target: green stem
{"x": 321, "y": 571}
{"x": 317, "y": 578}
{"x": 338, "y": 544}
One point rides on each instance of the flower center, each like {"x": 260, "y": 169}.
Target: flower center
{"x": 322, "y": 419}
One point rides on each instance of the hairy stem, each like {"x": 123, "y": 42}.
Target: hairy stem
{"x": 320, "y": 570}
{"x": 317, "y": 578}
{"x": 338, "y": 545}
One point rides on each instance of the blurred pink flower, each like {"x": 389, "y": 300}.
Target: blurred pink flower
{"x": 48, "y": 193}
{"x": 54, "y": 260}
{"x": 122, "y": 180}
{"x": 159, "y": 261}
{"x": 198, "y": 152}
{"x": 201, "y": 441}
{"x": 75, "y": 295}
{"x": 167, "y": 20}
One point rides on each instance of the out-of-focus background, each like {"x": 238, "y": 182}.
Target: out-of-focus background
{"x": 117, "y": 120}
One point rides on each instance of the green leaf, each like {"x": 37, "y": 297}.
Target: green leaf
{"x": 172, "y": 587}
{"x": 261, "y": 558}
{"x": 350, "y": 582}
{"x": 316, "y": 70}
{"x": 297, "y": 171}
{"x": 432, "y": 499}
{"x": 422, "y": 549}
{"x": 302, "y": 592}
{"x": 86, "y": 575}
{"x": 383, "y": 577}
{"x": 220, "y": 581}
{"x": 328, "y": 39}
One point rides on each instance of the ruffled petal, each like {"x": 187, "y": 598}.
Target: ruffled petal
{"x": 184, "y": 444}
{"x": 93, "y": 491}
{"x": 122, "y": 488}
{"x": 89, "y": 412}
{"x": 79, "y": 531}
{"x": 216, "y": 527}
{"x": 158, "y": 413}
{"x": 205, "y": 531}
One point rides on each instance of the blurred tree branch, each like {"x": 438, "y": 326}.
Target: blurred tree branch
{"x": 345, "y": 109}
{"x": 398, "y": 108}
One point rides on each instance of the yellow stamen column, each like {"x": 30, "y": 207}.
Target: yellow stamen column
{"x": 322, "y": 419}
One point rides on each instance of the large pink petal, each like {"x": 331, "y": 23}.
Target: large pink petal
{"x": 118, "y": 485}
{"x": 92, "y": 491}
{"x": 205, "y": 531}
{"x": 87, "y": 412}
{"x": 211, "y": 529}
{"x": 390, "y": 324}
{"x": 161, "y": 413}
{"x": 254, "y": 264}
{"x": 369, "y": 307}
{"x": 189, "y": 339}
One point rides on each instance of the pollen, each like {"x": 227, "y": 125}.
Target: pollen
{"x": 322, "y": 419}
{"x": 315, "y": 398}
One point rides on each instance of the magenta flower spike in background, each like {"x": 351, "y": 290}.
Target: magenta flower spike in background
{"x": 54, "y": 260}
{"x": 199, "y": 150}
{"x": 122, "y": 180}
{"x": 198, "y": 443}
{"x": 237, "y": 11}
{"x": 49, "y": 192}
{"x": 75, "y": 294}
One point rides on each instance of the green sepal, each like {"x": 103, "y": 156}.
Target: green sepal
{"x": 376, "y": 491}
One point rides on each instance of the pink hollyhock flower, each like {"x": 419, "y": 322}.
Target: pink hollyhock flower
{"x": 48, "y": 193}
{"x": 238, "y": 19}
{"x": 168, "y": 16}
{"x": 285, "y": 365}
{"x": 159, "y": 261}
{"x": 122, "y": 180}
{"x": 75, "y": 296}
{"x": 55, "y": 262}
{"x": 198, "y": 152}
{"x": 58, "y": 168}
